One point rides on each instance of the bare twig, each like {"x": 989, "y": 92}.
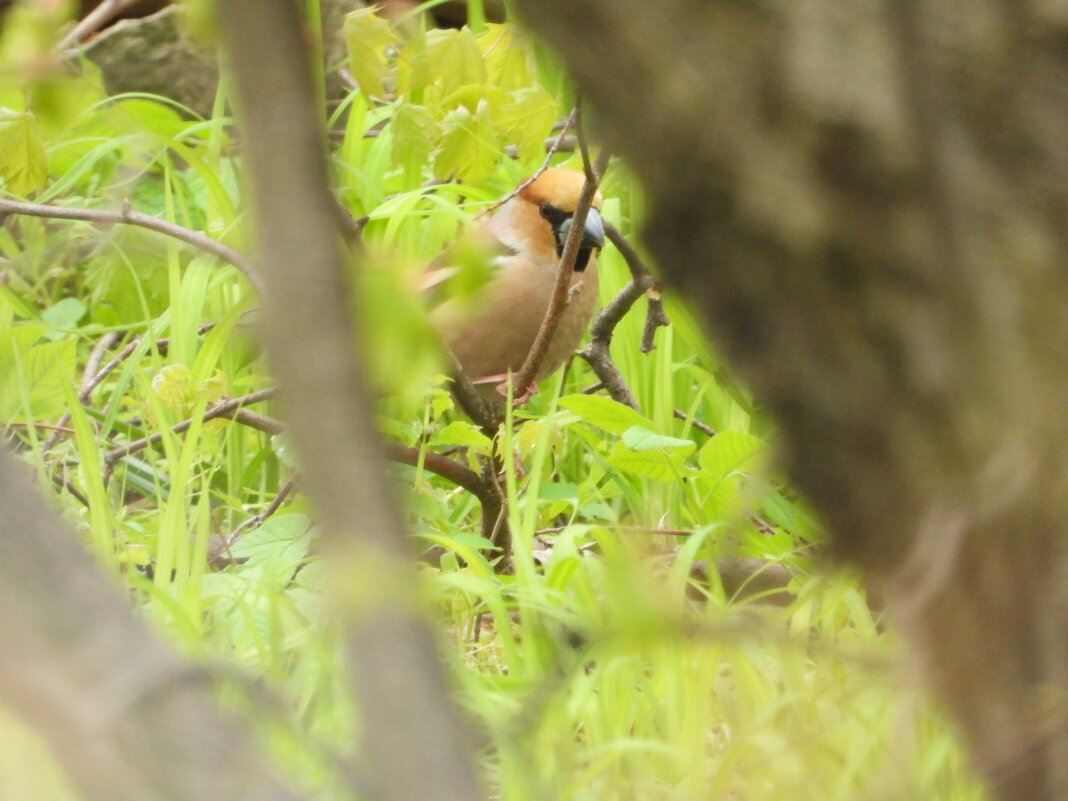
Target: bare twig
{"x": 127, "y": 216}
{"x": 693, "y": 421}
{"x": 91, "y": 383}
{"x": 92, "y": 365}
{"x": 584, "y": 148}
{"x": 655, "y": 317}
{"x": 225, "y": 543}
{"x": 544, "y": 165}
{"x": 227, "y": 408}
{"x": 94, "y": 21}
{"x": 596, "y": 353}
{"x": 524, "y": 379}
{"x": 68, "y": 485}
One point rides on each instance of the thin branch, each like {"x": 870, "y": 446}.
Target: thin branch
{"x": 584, "y": 148}
{"x": 597, "y": 353}
{"x": 127, "y": 216}
{"x": 94, "y": 21}
{"x": 693, "y": 421}
{"x": 655, "y": 317}
{"x": 68, "y": 485}
{"x": 458, "y": 474}
{"x": 224, "y": 543}
{"x": 89, "y": 384}
{"x": 260, "y": 422}
{"x": 524, "y": 379}
{"x": 92, "y": 365}
{"x": 227, "y": 408}
{"x": 544, "y": 165}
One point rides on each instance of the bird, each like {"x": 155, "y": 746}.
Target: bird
{"x": 491, "y": 334}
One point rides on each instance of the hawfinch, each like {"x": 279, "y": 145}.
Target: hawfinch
{"x": 491, "y": 335}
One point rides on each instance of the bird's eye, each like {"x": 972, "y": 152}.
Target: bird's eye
{"x": 547, "y": 210}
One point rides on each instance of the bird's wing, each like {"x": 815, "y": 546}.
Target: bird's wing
{"x": 465, "y": 266}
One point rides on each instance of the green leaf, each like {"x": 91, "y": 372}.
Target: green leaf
{"x": 659, "y": 465}
{"x": 728, "y": 452}
{"x": 367, "y": 36}
{"x": 451, "y": 59}
{"x": 65, "y": 314}
{"x": 473, "y": 94}
{"x": 604, "y": 413}
{"x": 281, "y": 540}
{"x": 507, "y": 56}
{"x": 527, "y": 120}
{"x": 469, "y": 149}
{"x": 174, "y": 386}
{"x": 463, "y": 433}
{"x": 23, "y": 163}
{"x": 640, "y": 438}
{"x": 414, "y": 134}
{"x": 42, "y": 371}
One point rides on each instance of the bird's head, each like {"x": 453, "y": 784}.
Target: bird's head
{"x": 538, "y": 219}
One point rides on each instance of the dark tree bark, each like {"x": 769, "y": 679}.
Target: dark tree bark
{"x": 868, "y": 202}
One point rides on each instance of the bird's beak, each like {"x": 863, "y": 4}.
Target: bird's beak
{"x": 592, "y": 233}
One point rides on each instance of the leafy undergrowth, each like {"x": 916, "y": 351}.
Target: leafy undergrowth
{"x": 613, "y": 661}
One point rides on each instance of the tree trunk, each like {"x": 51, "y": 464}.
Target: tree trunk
{"x": 867, "y": 202}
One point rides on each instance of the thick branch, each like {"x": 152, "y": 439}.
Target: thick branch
{"x": 127, "y": 718}
{"x": 408, "y": 750}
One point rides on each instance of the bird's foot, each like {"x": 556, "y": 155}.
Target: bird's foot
{"x": 504, "y": 380}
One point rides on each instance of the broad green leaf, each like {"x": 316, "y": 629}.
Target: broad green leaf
{"x": 450, "y": 58}
{"x": 414, "y": 135}
{"x": 527, "y": 120}
{"x": 728, "y": 452}
{"x": 472, "y": 94}
{"x": 604, "y": 413}
{"x": 640, "y": 438}
{"x": 367, "y": 36}
{"x": 282, "y": 540}
{"x": 469, "y": 149}
{"x": 461, "y": 432}
{"x": 41, "y": 371}
{"x": 659, "y": 465}
{"x": 23, "y": 163}
{"x": 64, "y": 314}
{"x": 506, "y": 56}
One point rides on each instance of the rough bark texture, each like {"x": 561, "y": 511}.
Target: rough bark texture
{"x": 155, "y": 55}
{"x": 414, "y": 745}
{"x": 867, "y": 201}
{"x": 128, "y": 719}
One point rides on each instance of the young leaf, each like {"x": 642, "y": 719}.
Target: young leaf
{"x": 451, "y": 59}
{"x": 460, "y": 432}
{"x": 604, "y": 413}
{"x": 367, "y": 36}
{"x": 727, "y": 452}
{"x": 527, "y": 119}
{"x": 414, "y": 135}
{"x": 469, "y": 149}
{"x": 23, "y": 163}
{"x": 640, "y": 438}
{"x": 659, "y": 465}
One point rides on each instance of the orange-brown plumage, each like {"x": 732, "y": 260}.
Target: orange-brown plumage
{"x": 492, "y": 335}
